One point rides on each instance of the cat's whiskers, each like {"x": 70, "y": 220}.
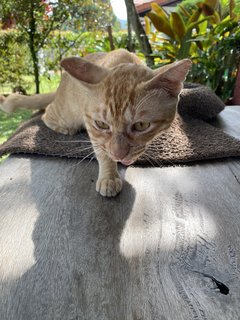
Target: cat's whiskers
{"x": 141, "y": 102}
{"x": 94, "y": 157}
{"x": 158, "y": 162}
{"x": 167, "y": 161}
{"x": 66, "y": 141}
{"x": 90, "y": 148}
{"x": 99, "y": 147}
{"x": 145, "y": 157}
{"x": 84, "y": 158}
{"x": 78, "y": 150}
{"x": 138, "y": 151}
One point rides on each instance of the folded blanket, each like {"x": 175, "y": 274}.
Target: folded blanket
{"x": 188, "y": 139}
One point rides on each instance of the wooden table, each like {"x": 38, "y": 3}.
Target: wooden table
{"x": 68, "y": 253}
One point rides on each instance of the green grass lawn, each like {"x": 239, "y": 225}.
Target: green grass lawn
{"x": 46, "y": 84}
{"x": 10, "y": 121}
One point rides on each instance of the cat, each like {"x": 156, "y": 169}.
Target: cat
{"x": 121, "y": 103}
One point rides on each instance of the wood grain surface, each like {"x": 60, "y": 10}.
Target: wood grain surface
{"x": 163, "y": 249}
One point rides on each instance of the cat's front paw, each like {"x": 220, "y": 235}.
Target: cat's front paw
{"x": 109, "y": 187}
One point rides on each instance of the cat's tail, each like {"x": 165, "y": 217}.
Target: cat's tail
{"x": 17, "y": 101}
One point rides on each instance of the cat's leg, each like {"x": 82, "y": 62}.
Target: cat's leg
{"x": 109, "y": 183}
{"x": 55, "y": 121}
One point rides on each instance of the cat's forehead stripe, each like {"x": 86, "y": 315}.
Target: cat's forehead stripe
{"x": 120, "y": 88}
{"x": 119, "y": 98}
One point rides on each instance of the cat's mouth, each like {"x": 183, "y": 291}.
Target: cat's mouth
{"x": 129, "y": 158}
{"x": 126, "y": 162}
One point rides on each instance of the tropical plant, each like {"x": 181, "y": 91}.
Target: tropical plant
{"x": 216, "y": 65}
{"x": 205, "y": 31}
{"x": 179, "y": 28}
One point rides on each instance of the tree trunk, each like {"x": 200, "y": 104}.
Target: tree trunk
{"x": 140, "y": 32}
{"x": 236, "y": 93}
{"x": 35, "y": 65}
{"x": 110, "y": 36}
{"x": 130, "y": 45}
{"x": 33, "y": 50}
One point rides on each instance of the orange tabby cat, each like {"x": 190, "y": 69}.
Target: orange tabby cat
{"x": 122, "y": 103}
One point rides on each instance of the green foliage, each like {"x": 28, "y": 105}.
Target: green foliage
{"x": 68, "y": 43}
{"x": 36, "y": 19}
{"x": 80, "y": 16}
{"x": 216, "y": 65}
{"x": 205, "y": 31}
{"x": 14, "y": 58}
{"x": 179, "y": 27}
{"x": 15, "y": 66}
{"x": 91, "y": 15}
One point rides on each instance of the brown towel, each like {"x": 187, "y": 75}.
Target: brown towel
{"x": 199, "y": 102}
{"x": 187, "y": 140}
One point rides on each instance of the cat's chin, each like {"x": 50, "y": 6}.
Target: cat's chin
{"x": 127, "y": 162}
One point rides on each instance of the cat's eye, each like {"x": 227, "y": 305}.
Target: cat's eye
{"x": 141, "y": 126}
{"x": 101, "y": 125}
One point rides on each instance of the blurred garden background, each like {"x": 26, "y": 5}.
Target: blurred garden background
{"x": 35, "y": 35}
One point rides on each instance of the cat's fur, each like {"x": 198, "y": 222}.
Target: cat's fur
{"x": 122, "y": 103}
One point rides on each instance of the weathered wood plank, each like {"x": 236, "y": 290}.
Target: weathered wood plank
{"x": 228, "y": 121}
{"x": 67, "y": 253}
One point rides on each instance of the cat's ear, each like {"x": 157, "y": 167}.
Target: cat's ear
{"x": 170, "y": 77}
{"x": 84, "y": 70}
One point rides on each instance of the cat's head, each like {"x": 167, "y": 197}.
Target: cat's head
{"x": 129, "y": 105}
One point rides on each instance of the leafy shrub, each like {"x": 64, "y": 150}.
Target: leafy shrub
{"x": 216, "y": 65}
{"x": 68, "y": 43}
{"x": 205, "y": 31}
{"x": 14, "y": 59}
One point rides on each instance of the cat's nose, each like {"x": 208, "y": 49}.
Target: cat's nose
{"x": 119, "y": 147}
{"x": 119, "y": 154}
